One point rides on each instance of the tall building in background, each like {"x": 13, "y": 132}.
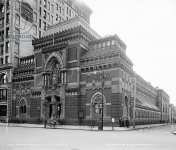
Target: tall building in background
{"x": 21, "y": 21}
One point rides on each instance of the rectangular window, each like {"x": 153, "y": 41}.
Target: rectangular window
{"x": 40, "y": 34}
{"x": 44, "y": 26}
{"x": 52, "y": 8}
{"x": 44, "y": 3}
{"x": 2, "y": 36}
{"x": 1, "y": 49}
{"x": 35, "y": 17}
{"x": 16, "y": 48}
{"x": 57, "y": 17}
{"x": 34, "y": 29}
{"x": 60, "y": 9}
{"x": 7, "y": 47}
{"x": 6, "y": 59}
{"x": 7, "y": 19}
{"x": 67, "y": 10}
{"x": 72, "y": 54}
{"x": 52, "y": 20}
{"x": 7, "y": 33}
{"x": 1, "y": 61}
{"x": 70, "y": 13}
{"x": 17, "y": 34}
{"x": 57, "y": 6}
{"x": 17, "y": 5}
{"x": 44, "y": 14}
{"x": 1, "y": 25}
{"x": 48, "y": 5}
{"x": 17, "y": 20}
{"x": 48, "y": 16}
{"x": 40, "y": 11}
{"x": 40, "y": 23}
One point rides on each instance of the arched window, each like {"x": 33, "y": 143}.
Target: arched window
{"x": 3, "y": 78}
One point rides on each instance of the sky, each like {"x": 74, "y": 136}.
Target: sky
{"x": 148, "y": 27}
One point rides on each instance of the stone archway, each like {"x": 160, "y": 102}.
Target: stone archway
{"x": 53, "y": 71}
{"x": 22, "y": 109}
{"x": 53, "y": 107}
{"x": 96, "y": 106}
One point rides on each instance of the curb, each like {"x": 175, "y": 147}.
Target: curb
{"x": 83, "y": 129}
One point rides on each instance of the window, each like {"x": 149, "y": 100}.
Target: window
{"x": 40, "y": 23}
{"x": 35, "y": 17}
{"x": 6, "y": 59}
{"x": 44, "y": 26}
{"x": 67, "y": 10}
{"x": 48, "y": 5}
{"x": 44, "y": 3}
{"x": 52, "y": 20}
{"x": 17, "y": 5}
{"x": 23, "y": 109}
{"x": 40, "y": 11}
{"x": 17, "y": 34}
{"x": 70, "y": 13}
{"x": 1, "y": 36}
{"x": 3, "y": 92}
{"x": 44, "y": 14}
{"x": 1, "y": 23}
{"x": 57, "y": 17}
{"x": 7, "y": 47}
{"x": 1, "y": 49}
{"x": 16, "y": 51}
{"x": 48, "y": 16}
{"x": 60, "y": 9}
{"x": 57, "y": 6}
{"x": 7, "y": 19}
{"x": 52, "y": 8}
{"x": 7, "y": 33}
{"x": 40, "y": 34}
{"x": 1, "y": 61}
{"x": 34, "y": 29}
{"x": 17, "y": 19}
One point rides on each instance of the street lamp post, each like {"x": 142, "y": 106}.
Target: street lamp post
{"x": 102, "y": 102}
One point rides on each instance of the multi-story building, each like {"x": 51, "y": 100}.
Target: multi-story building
{"x": 73, "y": 75}
{"x": 21, "y": 21}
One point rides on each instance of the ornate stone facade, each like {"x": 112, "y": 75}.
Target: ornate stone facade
{"x": 72, "y": 74}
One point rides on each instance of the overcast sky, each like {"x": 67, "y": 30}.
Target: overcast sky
{"x": 148, "y": 27}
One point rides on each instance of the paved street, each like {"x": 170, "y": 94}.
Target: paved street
{"x": 23, "y": 138}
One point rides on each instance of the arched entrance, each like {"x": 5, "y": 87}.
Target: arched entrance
{"x": 22, "y": 109}
{"x": 53, "y": 107}
{"x": 54, "y": 89}
{"x": 96, "y": 106}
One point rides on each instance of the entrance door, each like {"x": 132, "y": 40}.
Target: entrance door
{"x": 3, "y": 110}
{"x": 50, "y": 110}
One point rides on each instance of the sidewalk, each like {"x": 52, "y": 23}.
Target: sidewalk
{"x": 88, "y": 128}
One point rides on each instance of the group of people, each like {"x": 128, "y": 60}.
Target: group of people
{"x": 124, "y": 122}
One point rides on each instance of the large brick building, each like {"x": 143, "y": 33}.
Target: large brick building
{"x": 72, "y": 72}
{"x": 21, "y": 21}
